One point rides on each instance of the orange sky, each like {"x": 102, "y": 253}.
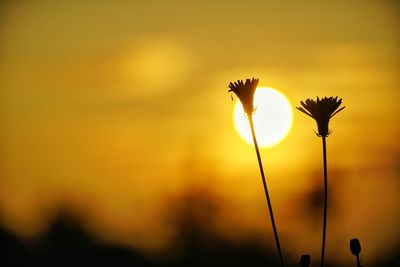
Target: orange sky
{"x": 114, "y": 108}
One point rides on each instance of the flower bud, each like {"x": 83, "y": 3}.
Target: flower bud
{"x": 355, "y": 246}
{"x": 305, "y": 260}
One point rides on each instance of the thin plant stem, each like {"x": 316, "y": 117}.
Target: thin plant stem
{"x": 325, "y": 200}
{"x": 271, "y": 214}
{"x": 358, "y": 260}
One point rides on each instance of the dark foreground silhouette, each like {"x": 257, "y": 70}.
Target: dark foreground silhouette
{"x": 66, "y": 243}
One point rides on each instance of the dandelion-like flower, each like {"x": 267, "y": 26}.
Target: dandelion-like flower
{"x": 322, "y": 111}
{"x": 245, "y": 93}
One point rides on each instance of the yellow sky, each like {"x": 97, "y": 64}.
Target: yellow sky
{"x": 116, "y": 107}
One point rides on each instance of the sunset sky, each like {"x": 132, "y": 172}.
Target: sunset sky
{"x": 117, "y": 110}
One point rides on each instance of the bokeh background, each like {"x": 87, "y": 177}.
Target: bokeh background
{"x": 116, "y": 115}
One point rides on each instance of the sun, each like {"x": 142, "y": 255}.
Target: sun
{"x": 273, "y": 118}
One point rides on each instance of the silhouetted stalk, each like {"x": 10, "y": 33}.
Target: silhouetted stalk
{"x": 358, "y": 261}
{"x": 325, "y": 200}
{"x": 322, "y": 110}
{"x": 271, "y": 214}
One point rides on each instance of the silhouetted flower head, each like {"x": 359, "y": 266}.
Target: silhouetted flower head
{"x": 322, "y": 111}
{"x": 305, "y": 260}
{"x": 355, "y": 246}
{"x": 245, "y": 93}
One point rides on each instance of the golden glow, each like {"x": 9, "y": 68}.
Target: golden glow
{"x": 273, "y": 118}
{"x": 120, "y": 112}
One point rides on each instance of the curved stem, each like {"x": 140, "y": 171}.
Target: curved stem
{"x": 325, "y": 200}
{"x": 271, "y": 214}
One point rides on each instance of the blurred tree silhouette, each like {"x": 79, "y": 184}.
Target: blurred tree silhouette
{"x": 67, "y": 244}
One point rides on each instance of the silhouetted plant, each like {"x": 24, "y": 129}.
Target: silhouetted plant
{"x": 355, "y": 248}
{"x": 322, "y": 111}
{"x": 305, "y": 260}
{"x": 245, "y": 93}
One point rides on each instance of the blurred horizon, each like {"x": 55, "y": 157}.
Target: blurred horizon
{"x": 118, "y": 111}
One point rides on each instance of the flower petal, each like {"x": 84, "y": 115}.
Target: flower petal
{"x": 304, "y": 111}
{"x": 337, "y": 111}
